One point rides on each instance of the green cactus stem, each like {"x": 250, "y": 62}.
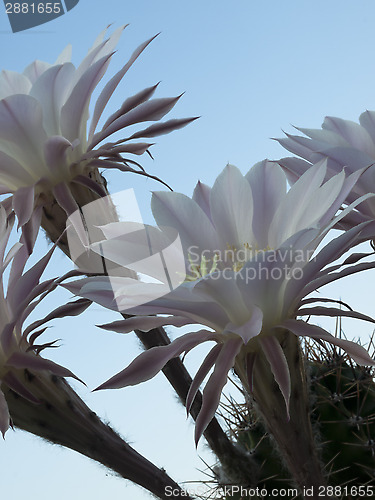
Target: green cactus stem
{"x": 63, "y": 418}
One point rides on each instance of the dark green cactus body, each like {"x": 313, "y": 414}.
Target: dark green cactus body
{"x": 342, "y": 411}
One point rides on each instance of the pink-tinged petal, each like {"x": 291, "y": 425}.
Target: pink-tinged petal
{"x": 333, "y": 312}
{"x": 22, "y": 360}
{"x": 268, "y": 186}
{"x": 201, "y": 196}
{"x": 21, "y": 123}
{"x": 110, "y": 87}
{"x": 13, "y": 83}
{"x": 70, "y": 309}
{"x": 17, "y": 386}
{"x": 178, "y": 211}
{"x": 51, "y": 91}
{"x": 30, "y": 229}
{"x": 6, "y": 226}
{"x": 23, "y": 204}
{"x": 251, "y": 328}
{"x": 329, "y": 278}
{"x": 4, "y": 415}
{"x": 231, "y": 204}
{"x": 250, "y": 362}
{"x": 10, "y": 256}
{"x": 329, "y": 253}
{"x": 83, "y": 180}
{"x": 357, "y": 352}
{"x": 162, "y": 128}
{"x": 215, "y": 384}
{"x": 149, "y": 363}
{"x": 144, "y": 323}
{"x": 74, "y": 113}
{"x": 148, "y": 111}
{"x": 68, "y": 203}
{"x": 131, "y": 103}
{"x": 279, "y": 366}
{"x": 202, "y": 372}
{"x": 28, "y": 282}
{"x": 135, "y": 148}
{"x": 55, "y": 149}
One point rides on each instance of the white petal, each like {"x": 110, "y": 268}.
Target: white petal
{"x": 231, "y": 204}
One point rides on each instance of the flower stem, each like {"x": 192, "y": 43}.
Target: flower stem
{"x": 63, "y": 418}
{"x": 293, "y": 436}
{"x": 54, "y": 223}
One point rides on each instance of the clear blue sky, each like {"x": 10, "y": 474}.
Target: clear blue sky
{"x": 249, "y": 69}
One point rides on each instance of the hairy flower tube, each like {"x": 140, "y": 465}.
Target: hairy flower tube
{"x": 47, "y": 150}
{"x": 345, "y": 145}
{"x": 250, "y": 259}
{"x": 34, "y": 395}
{"x": 19, "y": 350}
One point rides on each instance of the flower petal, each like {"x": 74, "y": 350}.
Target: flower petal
{"x": 215, "y": 384}
{"x": 110, "y": 87}
{"x": 22, "y": 360}
{"x": 4, "y": 414}
{"x": 205, "y": 367}
{"x": 357, "y": 352}
{"x": 279, "y": 366}
{"x": 231, "y": 204}
{"x": 149, "y": 363}
{"x": 144, "y": 323}
{"x": 268, "y": 186}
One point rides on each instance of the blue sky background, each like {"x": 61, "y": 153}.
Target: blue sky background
{"x": 249, "y": 69}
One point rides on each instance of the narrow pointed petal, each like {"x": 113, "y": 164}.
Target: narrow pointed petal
{"x": 333, "y": 312}
{"x": 15, "y": 384}
{"x": 23, "y": 204}
{"x": 202, "y": 372}
{"x": 111, "y": 86}
{"x": 150, "y": 362}
{"x": 74, "y": 111}
{"x": 250, "y": 362}
{"x": 4, "y": 415}
{"x": 279, "y": 366}
{"x": 162, "y": 128}
{"x": 148, "y": 111}
{"x": 131, "y": 103}
{"x": 215, "y": 384}
{"x": 357, "y": 352}
{"x": 70, "y": 309}
{"x": 144, "y": 323}
{"x": 22, "y": 360}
